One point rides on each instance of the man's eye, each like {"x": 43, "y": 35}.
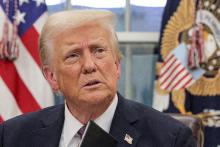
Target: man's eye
{"x": 99, "y": 52}
{"x": 72, "y": 57}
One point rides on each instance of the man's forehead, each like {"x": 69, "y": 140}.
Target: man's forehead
{"x": 87, "y": 42}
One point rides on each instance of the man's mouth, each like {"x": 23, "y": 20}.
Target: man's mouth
{"x": 92, "y": 83}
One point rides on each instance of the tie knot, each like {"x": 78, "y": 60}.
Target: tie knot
{"x": 81, "y": 131}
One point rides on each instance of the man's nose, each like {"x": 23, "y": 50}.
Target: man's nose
{"x": 89, "y": 65}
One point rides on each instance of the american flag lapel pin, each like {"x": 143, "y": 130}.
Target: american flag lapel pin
{"x": 128, "y": 139}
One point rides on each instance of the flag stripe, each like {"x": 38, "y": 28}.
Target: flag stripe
{"x": 1, "y": 119}
{"x": 181, "y": 81}
{"x": 25, "y": 66}
{"x": 40, "y": 90}
{"x": 30, "y": 41}
{"x": 173, "y": 80}
{"x": 179, "y": 76}
{"x": 168, "y": 65}
{"x": 23, "y": 88}
{"x": 174, "y": 75}
{"x": 40, "y": 22}
{"x": 188, "y": 82}
{"x": 9, "y": 108}
{"x": 169, "y": 57}
{"x": 23, "y": 97}
{"x": 168, "y": 77}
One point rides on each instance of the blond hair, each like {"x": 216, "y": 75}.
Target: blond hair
{"x": 62, "y": 21}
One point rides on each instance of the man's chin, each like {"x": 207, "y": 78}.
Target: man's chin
{"x": 96, "y": 97}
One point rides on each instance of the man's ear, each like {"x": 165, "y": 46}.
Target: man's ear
{"x": 50, "y": 77}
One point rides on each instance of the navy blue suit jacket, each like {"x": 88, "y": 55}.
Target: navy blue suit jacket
{"x": 147, "y": 127}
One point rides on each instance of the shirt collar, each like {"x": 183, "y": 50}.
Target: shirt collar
{"x": 72, "y": 125}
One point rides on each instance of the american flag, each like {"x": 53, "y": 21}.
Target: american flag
{"x": 22, "y": 85}
{"x": 175, "y": 74}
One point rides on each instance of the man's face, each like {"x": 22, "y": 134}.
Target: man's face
{"x": 84, "y": 66}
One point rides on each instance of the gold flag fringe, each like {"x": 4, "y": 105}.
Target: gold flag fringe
{"x": 178, "y": 98}
{"x": 159, "y": 90}
{"x": 206, "y": 86}
{"x": 158, "y": 68}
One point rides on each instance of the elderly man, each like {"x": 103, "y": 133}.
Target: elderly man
{"x": 81, "y": 60}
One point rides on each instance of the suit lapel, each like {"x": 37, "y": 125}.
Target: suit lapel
{"x": 48, "y": 135}
{"x": 122, "y": 128}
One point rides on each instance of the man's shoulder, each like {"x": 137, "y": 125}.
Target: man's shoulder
{"x": 33, "y": 119}
{"x": 157, "y": 127}
{"x": 151, "y": 117}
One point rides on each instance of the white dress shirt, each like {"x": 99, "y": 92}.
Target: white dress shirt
{"x": 69, "y": 136}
